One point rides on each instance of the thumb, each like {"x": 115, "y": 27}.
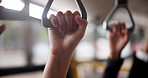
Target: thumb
{"x": 81, "y": 22}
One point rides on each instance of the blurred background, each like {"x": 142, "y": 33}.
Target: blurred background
{"x": 24, "y": 46}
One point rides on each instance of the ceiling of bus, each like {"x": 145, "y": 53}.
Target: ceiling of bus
{"x": 98, "y": 9}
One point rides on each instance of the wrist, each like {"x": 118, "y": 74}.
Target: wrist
{"x": 58, "y": 60}
{"x": 114, "y": 55}
{"x": 60, "y": 52}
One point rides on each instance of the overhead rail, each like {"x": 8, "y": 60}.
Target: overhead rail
{"x": 8, "y": 14}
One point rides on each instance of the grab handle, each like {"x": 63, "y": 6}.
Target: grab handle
{"x": 119, "y": 4}
{"x": 47, "y": 23}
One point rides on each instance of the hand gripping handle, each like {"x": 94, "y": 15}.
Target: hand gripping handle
{"x": 118, "y": 4}
{"x": 47, "y": 23}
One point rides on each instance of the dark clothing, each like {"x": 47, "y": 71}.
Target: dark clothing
{"x": 112, "y": 68}
{"x": 138, "y": 70}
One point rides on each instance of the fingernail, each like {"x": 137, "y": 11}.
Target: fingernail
{"x": 78, "y": 16}
{"x": 59, "y": 13}
{"x": 56, "y": 25}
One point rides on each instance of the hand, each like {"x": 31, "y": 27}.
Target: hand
{"x": 118, "y": 38}
{"x": 1, "y": 7}
{"x": 69, "y": 30}
{"x": 2, "y": 28}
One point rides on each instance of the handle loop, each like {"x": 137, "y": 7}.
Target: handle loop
{"x": 118, "y": 4}
{"x": 47, "y": 23}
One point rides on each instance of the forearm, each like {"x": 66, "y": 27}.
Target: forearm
{"x": 57, "y": 66}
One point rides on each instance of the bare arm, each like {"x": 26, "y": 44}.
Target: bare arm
{"x": 118, "y": 38}
{"x": 69, "y": 30}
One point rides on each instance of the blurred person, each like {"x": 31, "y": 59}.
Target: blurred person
{"x": 69, "y": 29}
{"x": 118, "y": 38}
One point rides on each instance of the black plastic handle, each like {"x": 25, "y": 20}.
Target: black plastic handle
{"x": 118, "y": 4}
{"x": 47, "y": 23}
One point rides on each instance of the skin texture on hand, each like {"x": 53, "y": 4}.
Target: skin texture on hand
{"x": 118, "y": 38}
{"x": 2, "y": 28}
{"x": 69, "y": 29}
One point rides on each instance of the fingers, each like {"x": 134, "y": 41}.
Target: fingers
{"x": 122, "y": 25}
{"x": 64, "y": 21}
{"x": 2, "y": 28}
{"x": 61, "y": 20}
{"x": 119, "y": 29}
{"x": 124, "y": 30}
{"x": 82, "y": 23}
{"x": 69, "y": 21}
{"x": 54, "y": 20}
{"x": 75, "y": 25}
{"x": 114, "y": 28}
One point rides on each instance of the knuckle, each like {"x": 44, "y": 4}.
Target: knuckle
{"x": 59, "y": 13}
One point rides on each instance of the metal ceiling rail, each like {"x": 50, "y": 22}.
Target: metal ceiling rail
{"x": 8, "y": 14}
